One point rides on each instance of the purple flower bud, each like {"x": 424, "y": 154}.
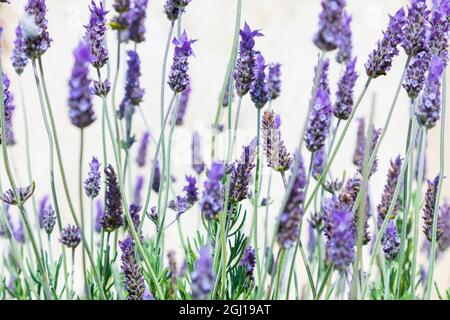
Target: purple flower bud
{"x": 415, "y": 74}
{"x": 101, "y": 88}
{"x": 248, "y": 262}
{"x": 136, "y": 21}
{"x": 121, "y": 6}
{"x": 98, "y": 215}
{"x": 431, "y": 202}
{"x": 139, "y": 185}
{"x": 380, "y": 60}
{"x": 135, "y": 215}
{"x": 184, "y": 100}
{"x": 141, "y": 158}
{"x": 274, "y": 80}
{"x": 438, "y": 38}
{"x": 344, "y": 95}
{"x": 202, "y": 277}
{"x": 341, "y": 245}
{"x": 275, "y": 151}
{"x": 244, "y": 68}
{"x": 134, "y": 278}
{"x": 259, "y": 89}
{"x": 197, "y": 159}
{"x": 391, "y": 241}
{"x": 358, "y": 155}
{"x": 319, "y": 163}
{"x": 415, "y": 29}
{"x": 330, "y": 24}
{"x": 8, "y": 100}
{"x": 81, "y": 111}
{"x": 172, "y": 10}
{"x": 178, "y": 77}
{"x": 34, "y": 27}
{"x": 19, "y": 58}
{"x": 70, "y": 236}
{"x": 389, "y": 189}
{"x": 23, "y": 194}
{"x": 48, "y": 219}
{"x": 241, "y": 173}
{"x": 191, "y": 190}
{"x": 112, "y": 217}
{"x": 156, "y": 177}
{"x": 41, "y": 207}
{"x": 344, "y": 40}
{"x": 133, "y": 91}
{"x": 95, "y": 35}
{"x": 92, "y": 182}
{"x": 428, "y": 110}
{"x": 319, "y": 122}
{"x": 212, "y": 203}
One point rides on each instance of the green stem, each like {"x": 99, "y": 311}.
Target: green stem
{"x": 80, "y": 195}
{"x": 256, "y": 192}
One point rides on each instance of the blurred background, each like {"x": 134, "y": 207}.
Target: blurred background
{"x": 288, "y": 26}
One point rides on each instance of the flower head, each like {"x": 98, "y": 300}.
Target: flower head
{"x": 389, "y": 189}
{"x": 112, "y": 217}
{"x": 156, "y": 177}
{"x": 428, "y": 210}
{"x": 70, "y": 236}
{"x": 178, "y": 77}
{"x": 120, "y": 21}
{"x": 133, "y": 91}
{"x": 81, "y": 111}
{"x": 275, "y": 151}
{"x": 9, "y": 107}
{"x": 415, "y": 74}
{"x": 138, "y": 186}
{"x": 141, "y": 158}
{"x": 344, "y": 95}
{"x": 319, "y": 162}
{"x": 136, "y": 17}
{"x": 319, "y": 122}
{"x": 211, "y": 202}
{"x": 274, "y": 80}
{"x": 95, "y": 35}
{"x": 34, "y": 27}
{"x": 202, "y": 277}
{"x": 19, "y": 58}
{"x": 341, "y": 245}
{"x": 415, "y": 29}
{"x": 344, "y": 40}
{"x": 134, "y": 278}
{"x": 248, "y": 262}
{"x": 391, "y": 241}
{"x": 438, "y": 38}
{"x": 92, "y": 182}
{"x": 259, "y": 88}
{"x": 241, "y": 173}
{"x": 48, "y": 219}
{"x": 23, "y": 194}
{"x": 330, "y": 25}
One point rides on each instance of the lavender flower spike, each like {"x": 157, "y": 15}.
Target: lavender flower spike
{"x": 428, "y": 211}
{"x": 330, "y": 25}
{"x": 136, "y": 24}
{"x": 184, "y": 100}
{"x": 171, "y": 10}
{"x": 275, "y": 151}
{"x": 248, "y": 262}
{"x": 120, "y": 22}
{"x": 211, "y": 203}
{"x": 438, "y": 39}
{"x": 95, "y": 35}
{"x": 341, "y": 245}
{"x": 92, "y": 182}
{"x": 139, "y": 185}
{"x": 203, "y": 277}
{"x": 241, "y": 174}
{"x": 141, "y": 158}
{"x": 8, "y": 101}
{"x": 34, "y": 27}
{"x": 388, "y": 191}
{"x": 178, "y": 77}
{"x": 70, "y": 236}
{"x": 288, "y": 228}
{"x": 319, "y": 122}
{"x": 259, "y": 89}
{"x": 112, "y": 217}
{"x": 274, "y": 80}
{"x": 428, "y": 110}
{"x": 319, "y": 162}
{"x": 415, "y": 30}
{"x": 134, "y": 278}
{"x": 133, "y": 91}
{"x": 48, "y": 219}
{"x": 391, "y": 241}
{"x": 344, "y": 40}
{"x": 41, "y": 207}
{"x": 81, "y": 111}
{"x": 358, "y": 154}
{"x": 415, "y": 74}
{"x": 344, "y": 95}
{"x": 19, "y": 58}
{"x": 380, "y": 60}
{"x": 243, "y": 71}
{"x": 197, "y": 160}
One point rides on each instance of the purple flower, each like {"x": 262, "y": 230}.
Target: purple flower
{"x": 98, "y": 215}
{"x": 211, "y": 202}
{"x": 319, "y": 162}
{"x": 112, "y": 217}
{"x": 391, "y": 241}
{"x": 415, "y": 74}
{"x": 444, "y": 240}
{"x": 344, "y": 95}
{"x": 274, "y": 80}
{"x": 319, "y": 122}
{"x": 197, "y": 160}
{"x": 139, "y": 185}
{"x": 136, "y": 21}
{"x": 95, "y": 35}
{"x": 41, "y": 207}
{"x": 203, "y": 276}
{"x": 171, "y": 10}
{"x": 101, "y": 88}
{"x": 141, "y": 158}
{"x": 121, "y": 6}
{"x": 245, "y": 64}
{"x": 248, "y": 262}
{"x": 289, "y": 221}
{"x": 389, "y": 189}
{"x": 156, "y": 177}
{"x": 428, "y": 110}
{"x": 344, "y": 40}
{"x": 275, "y": 151}
{"x": 312, "y": 240}
{"x": 341, "y": 245}
{"x": 324, "y": 83}
{"x": 70, "y": 236}
{"x": 428, "y": 210}
{"x": 48, "y": 219}
{"x": 184, "y": 100}
{"x": 133, "y": 91}
{"x": 134, "y": 278}
{"x": 23, "y": 194}
{"x": 178, "y": 77}
{"x": 120, "y": 22}
{"x": 358, "y": 155}
{"x": 380, "y": 60}
{"x": 92, "y": 182}
{"x": 181, "y": 3}
{"x": 81, "y": 111}
{"x": 135, "y": 215}
{"x": 330, "y": 25}
{"x": 34, "y": 27}
{"x": 415, "y": 29}
{"x": 183, "y": 203}
{"x": 259, "y": 88}
{"x": 241, "y": 173}
{"x": 19, "y": 58}
{"x": 438, "y": 39}
{"x": 8, "y": 100}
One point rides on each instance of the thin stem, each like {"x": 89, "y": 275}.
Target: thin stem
{"x": 72, "y": 272}
{"x": 256, "y": 191}
{"x": 80, "y": 195}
